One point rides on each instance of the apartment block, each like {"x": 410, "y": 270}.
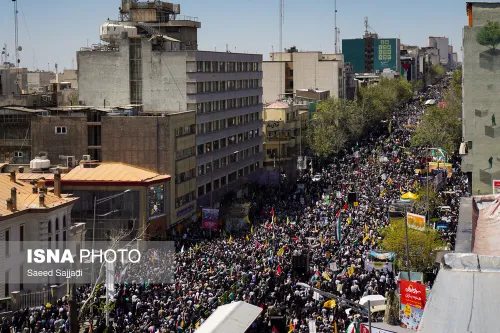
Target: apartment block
{"x": 442, "y": 44}
{"x": 289, "y": 71}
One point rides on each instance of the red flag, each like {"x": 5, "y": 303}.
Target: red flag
{"x": 345, "y": 206}
{"x": 338, "y": 214}
{"x": 272, "y": 211}
{"x": 275, "y": 330}
{"x": 278, "y": 271}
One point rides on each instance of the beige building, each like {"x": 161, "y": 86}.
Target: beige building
{"x": 283, "y": 124}
{"x": 287, "y": 72}
{"x": 28, "y": 214}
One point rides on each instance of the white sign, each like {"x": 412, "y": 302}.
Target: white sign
{"x": 496, "y": 186}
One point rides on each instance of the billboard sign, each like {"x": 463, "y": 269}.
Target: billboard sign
{"x": 496, "y": 186}
{"x": 209, "y": 218}
{"x": 415, "y": 221}
{"x": 437, "y": 165}
{"x": 413, "y": 298}
{"x": 385, "y": 54}
{"x": 156, "y": 201}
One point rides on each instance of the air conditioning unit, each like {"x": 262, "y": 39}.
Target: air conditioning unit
{"x": 70, "y": 161}
{"x": 86, "y": 157}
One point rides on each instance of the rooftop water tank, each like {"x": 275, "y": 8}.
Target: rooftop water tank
{"x": 112, "y": 31}
{"x": 40, "y": 163}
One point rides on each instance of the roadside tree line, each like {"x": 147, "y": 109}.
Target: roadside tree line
{"x": 338, "y": 122}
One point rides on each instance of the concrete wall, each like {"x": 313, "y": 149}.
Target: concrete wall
{"x": 309, "y": 72}
{"x": 273, "y": 73}
{"x": 38, "y": 80}
{"x": 8, "y": 79}
{"x": 481, "y": 100}
{"x": 44, "y": 137}
{"x": 70, "y": 75}
{"x": 104, "y": 75}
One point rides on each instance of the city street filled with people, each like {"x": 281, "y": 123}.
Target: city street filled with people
{"x": 255, "y": 264}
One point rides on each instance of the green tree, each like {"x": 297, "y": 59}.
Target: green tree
{"x": 335, "y": 122}
{"x": 432, "y": 201}
{"x": 440, "y": 127}
{"x": 422, "y": 245}
{"x": 489, "y": 35}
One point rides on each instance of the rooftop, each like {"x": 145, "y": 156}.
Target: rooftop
{"x": 26, "y": 200}
{"x": 278, "y": 105}
{"x": 112, "y": 173}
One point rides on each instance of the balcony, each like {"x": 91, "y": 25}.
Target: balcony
{"x": 14, "y": 142}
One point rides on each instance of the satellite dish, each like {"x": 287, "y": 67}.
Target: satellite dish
{"x": 19, "y": 48}
{"x": 15, "y": 82}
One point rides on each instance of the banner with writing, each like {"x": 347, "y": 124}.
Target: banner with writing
{"x": 209, "y": 218}
{"x": 413, "y": 298}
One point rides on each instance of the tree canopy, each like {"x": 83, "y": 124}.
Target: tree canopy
{"x": 489, "y": 35}
{"x": 422, "y": 244}
{"x": 441, "y": 126}
{"x": 339, "y": 121}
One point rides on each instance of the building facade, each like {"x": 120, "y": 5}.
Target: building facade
{"x": 371, "y": 54}
{"x": 290, "y": 71}
{"x": 39, "y": 80}
{"x": 28, "y": 213}
{"x": 442, "y": 44}
{"x": 481, "y": 101}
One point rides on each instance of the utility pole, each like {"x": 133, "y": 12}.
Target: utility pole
{"x": 73, "y": 312}
{"x": 407, "y": 245}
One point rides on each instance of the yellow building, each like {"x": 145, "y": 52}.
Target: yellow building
{"x": 282, "y": 137}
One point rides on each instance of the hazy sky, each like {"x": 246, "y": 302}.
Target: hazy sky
{"x": 51, "y": 31}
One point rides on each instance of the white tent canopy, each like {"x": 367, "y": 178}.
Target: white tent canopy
{"x": 377, "y": 302}
{"x": 231, "y": 318}
{"x": 430, "y": 102}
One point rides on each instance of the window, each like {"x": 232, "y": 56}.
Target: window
{"x": 223, "y": 161}
{"x": 49, "y": 227}
{"x": 231, "y": 177}
{"x": 215, "y": 86}
{"x": 208, "y": 147}
{"x": 18, "y": 154}
{"x": 208, "y": 107}
{"x": 222, "y": 66}
{"x": 257, "y": 149}
{"x": 185, "y": 176}
{"x": 245, "y": 84}
{"x": 252, "y": 168}
{"x": 199, "y": 66}
{"x": 208, "y": 86}
{"x": 215, "y": 66}
{"x": 239, "y": 84}
{"x": 230, "y": 66}
{"x": 233, "y": 158}
{"x": 290, "y": 85}
{"x": 240, "y": 173}
{"x": 240, "y": 137}
{"x": 61, "y": 130}
{"x": 21, "y": 273}
{"x": 7, "y": 242}
{"x": 255, "y": 66}
{"x": 222, "y": 85}
{"x": 222, "y": 124}
{"x": 184, "y": 199}
{"x": 215, "y": 145}
{"x": 238, "y": 66}
{"x": 185, "y": 153}
{"x": 57, "y": 239}
{"x": 6, "y": 284}
{"x": 208, "y": 187}
{"x": 216, "y": 164}
{"x": 199, "y": 87}
{"x": 216, "y": 184}
{"x": 223, "y": 181}
{"x": 208, "y": 167}
{"x": 199, "y": 107}
{"x": 232, "y": 122}
{"x": 200, "y": 149}
{"x": 232, "y": 140}
{"x": 21, "y": 237}
{"x": 223, "y": 143}
{"x": 64, "y": 237}
{"x": 244, "y": 67}
{"x": 201, "y": 191}
{"x": 207, "y": 66}
{"x": 201, "y": 170}
{"x": 223, "y": 105}
{"x": 256, "y": 132}
{"x": 57, "y": 224}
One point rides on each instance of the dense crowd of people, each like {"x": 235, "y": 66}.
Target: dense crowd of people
{"x": 255, "y": 265}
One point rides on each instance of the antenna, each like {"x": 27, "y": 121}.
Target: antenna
{"x": 282, "y": 7}
{"x": 336, "y": 29}
{"x": 337, "y": 48}
{"x": 366, "y": 25}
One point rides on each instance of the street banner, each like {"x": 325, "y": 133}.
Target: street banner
{"x": 415, "y": 221}
{"x": 438, "y": 165}
{"x": 413, "y": 299}
{"x": 209, "y": 218}
{"x": 379, "y": 266}
{"x": 496, "y": 186}
{"x": 382, "y": 255}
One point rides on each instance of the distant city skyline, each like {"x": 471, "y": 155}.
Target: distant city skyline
{"x": 52, "y": 31}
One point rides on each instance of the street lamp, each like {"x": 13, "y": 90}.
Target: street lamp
{"x": 361, "y": 308}
{"x": 98, "y": 202}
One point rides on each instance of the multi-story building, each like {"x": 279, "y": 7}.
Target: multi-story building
{"x": 289, "y": 71}
{"x": 283, "y": 138}
{"x": 371, "y": 54}
{"x": 13, "y": 81}
{"x": 39, "y": 80}
{"x": 442, "y": 44}
{"x": 15, "y": 134}
{"x": 145, "y": 65}
{"x": 28, "y": 213}
{"x": 480, "y": 101}
{"x": 409, "y": 56}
